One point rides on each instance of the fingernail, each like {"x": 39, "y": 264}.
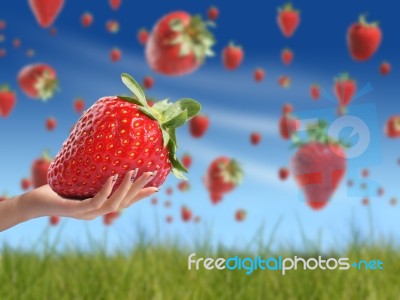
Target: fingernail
{"x": 154, "y": 174}
{"x": 115, "y": 177}
{"x": 151, "y": 177}
{"x": 134, "y": 174}
{"x": 156, "y": 191}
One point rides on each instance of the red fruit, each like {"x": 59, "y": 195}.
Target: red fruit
{"x": 26, "y": 184}
{"x": 30, "y": 53}
{"x": 363, "y": 186}
{"x": 116, "y": 135}
{"x": 187, "y": 161}
{"x": 288, "y": 126}
{"x": 79, "y": 105}
{"x": 380, "y": 192}
{"x": 143, "y": 36}
{"x": 344, "y": 89}
{"x": 287, "y": 109}
{"x": 167, "y": 203}
{"x": 168, "y": 191}
{"x": 392, "y": 128}
{"x": 112, "y": 26}
{"x": 3, "y": 52}
{"x": 154, "y": 201}
{"x": 259, "y": 74}
{"x": 350, "y": 183}
{"x": 46, "y": 11}
{"x": 54, "y": 220}
{"x": 3, "y": 24}
{"x": 287, "y": 56}
{"x": 7, "y": 101}
{"x": 255, "y": 138}
{"x": 148, "y": 82}
{"x": 315, "y": 92}
{"x": 283, "y": 173}
{"x": 285, "y": 81}
{"x": 232, "y": 56}
{"x": 240, "y": 215}
{"x": 16, "y": 43}
{"x": 38, "y": 81}
{"x": 363, "y": 39}
{"x": 385, "y": 68}
{"x": 115, "y": 54}
{"x": 110, "y": 217}
{"x": 223, "y": 176}
{"x": 39, "y": 170}
{"x": 198, "y": 126}
{"x": 213, "y": 13}
{"x": 393, "y": 201}
{"x": 169, "y": 219}
{"x": 365, "y": 201}
{"x": 288, "y": 20}
{"x": 51, "y": 124}
{"x": 53, "y": 31}
{"x": 178, "y": 44}
{"x": 115, "y": 4}
{"x": 87, "y": 19}
{"x": 186, "y": 214}
{"x": 197, "y": 219}
{"x": 183, "y": 186}
{"x": 365, "y": 173}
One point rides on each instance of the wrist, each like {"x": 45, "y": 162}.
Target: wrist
{"x": 25, "y": 206}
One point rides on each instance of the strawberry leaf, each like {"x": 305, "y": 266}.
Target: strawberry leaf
{"x": 134, "y": 87}
{"x": 192, "y": 106}
{"x": 177, "y": 121}
{"x": 131, "y": 100}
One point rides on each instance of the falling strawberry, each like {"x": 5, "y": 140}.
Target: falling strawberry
{"x": 223, "y": 176}
{"x": 318, "y": 166}
{"x": 167, "y": 204}
{"x": 30, "y": 53}
{"x": 168, "y": 191}
{"x": 365, "y": 173}
{"x": 344, "y": 88}
{"x": 115, "y": 54}
{"x": 54, "y": 220}
{"x": 385, "y": 68}
{"x": 115, "y": 4}
{"x": 3, "y": 24}
{"x": 16, "y": 43}
{"x": 148, "y": 82}
{"x": 284, "y": 81}
{"x": 3, "y": 52}
{"x": 288, "y": 19}
{"x": 198, "y": 126}
{"x": 7, "y": 101}
{"x": 39, "y": 170}
{"x": 186, "y": 214}
{"x": 393, "y": 201}
{"x": 315, "y": 91}
{"x": 380, "y": 192}
{"x": 178, "y": 44}
{"x": 53, "y": 31}
{"x": 240, "y": 215}
{"x": 287, "y": 56}
{"x": 79, "y": 105}
{"x": 287, "y": 109}
{"x": 38, "y": 81}
{"x": 154, "y": 201}
{"x": 213, "y": 13}
{"x": 232, "y": 56}
{"x": 363, "y": 39}
{"x": 184, "y": 186}
{"x": 365, "y": 201}
{"x": 288, "y": 126}
{"x": 86, "y": 19}
{"x": 112, "y": 26}
{"x": 119, "y": 134}
{"x": 283, "y": 173}
{"x": 143, "y": 36}
{"x": 51, "y": 124}
{"x": 255, "y": 138}
{"x": 169, "y": 219}
{"x": 197, "y": 219}
{"x": 46, "y": 11}
{"x": 26, "y": 184}
{"x": 392, "y": 128}
{"x": 259, "y": 74}
{"x": 186, "y": 160}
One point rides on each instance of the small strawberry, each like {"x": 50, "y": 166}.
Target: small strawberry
{"x": 148, "y": 82}
{"x": 287, "y": 109}
{"x": 118, "y": 134}
{"x": 198, "y": 126}
{"x": 178, "y": 44}
{"x": 169, "y": 219}
{"x": 240, "y": 215}
{"x": 79, "y": 105}
{"x": 392, "y": 128}
{"x": 283, "y": 173}
{"x": 3, "y": 52}
{"x": 115, "y": 54}
{"x": 288, "y": 19}
{"x": 365, "y": 173}
{"x": 232, "y": 56}
{"x": 318, "y": 166}
{"x": 115, "y": 4}
{"x": 363, "y": 39}
{"x": 255, "y": 138}
{"x": 393, "y": 201}
{"x": 288, "y": 126}
{"x": 53, "y": 31}
{"x": 350, "y": 183}
{"x": 213, "y": 13}
{"x": 154, "y": 201}
{"x": 259, "y": 74}
{"x": 46, "y": 11}
{"x": 167, "y": 204}
{"x": 385, "y": 68}
{"x": 380, "y": 192}
{"x": 87, "y": 19}
{"x": 287, "y": 56}
{"x": 3, "y": 24}
{"x": 143, "y": 36}
{"x": 112, "y": 26}
{"x": 196, "y": 219}
{"x": 54, "y": 220}
{"x": 365, "y": 201}
{"x": 284, "y": 81}
{"x": 184, "y": 186}
{"x": 30, "y": 53}
{"x": 38, "y": 81}
{"x": 186, "y": 214}
{"x": 315, "y": 92}
{"x": 344, "y": 88}
{"x": 25, "y": 184}
{"x": 168, "y": 191}
{"x": 223, "y": 176}
{"x": 39, "y": 170}
{"x": 186, "y": 160}
{"x": 16, "y": 43}
{"x": 8, "y": 100}
{"x": 51, "y": 124}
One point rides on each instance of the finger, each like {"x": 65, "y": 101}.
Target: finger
{"x": 138, "y": 185}
{"x": 144, "y": 193}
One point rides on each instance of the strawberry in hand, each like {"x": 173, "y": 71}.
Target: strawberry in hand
{"x": 178, "y": 44}
{"x": 119, "y": 134}
{"x": 288, "y": 19}
{"x": 344, "y": 88}
{"x": 46, "y": 11}
{"x": 7, "y": 101}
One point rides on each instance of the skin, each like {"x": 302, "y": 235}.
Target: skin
{"x": 44, "y": 201}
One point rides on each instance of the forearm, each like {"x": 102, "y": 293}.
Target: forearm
{"x": 12, "y": 212}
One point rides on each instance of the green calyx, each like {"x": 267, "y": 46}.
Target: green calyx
{"x": 362, "y": 20}
{"x": 46, "y": 85}
{"x": 169, "y": 116}
{"x": 4, "y": 88}
{"x": 288, "y": 7}
{"x": 194, "y": 38}
{"x": 231, "y": 172}
{"x": 344, "y": 77}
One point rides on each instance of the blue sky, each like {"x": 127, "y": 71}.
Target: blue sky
{"x": 235, "y": 104}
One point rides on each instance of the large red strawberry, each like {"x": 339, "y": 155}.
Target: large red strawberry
{"x": 7, "y": 101}
{"x": 38, "y": 81}
{"x": 46, "y": 11}
{"x": 178, "y": 44}
{"x": 199, "y": 125}
{"x": 232, "y": 56}
{"x": 118, "y": 134}
{"x": 222, "y": 176}
{"x": 115, "y": 4}
{"x": 288, "y": 19}
{"x": 344, "y": 88}
{"x": 39, "y": 170}
{"x": 319, "y": 166}
{"x": 363, "y": 39}
{"x": 392, "y": 128}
